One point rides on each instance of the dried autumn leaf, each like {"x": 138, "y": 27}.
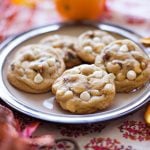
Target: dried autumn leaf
{"x": 29, "y": 129}
{"x": 13, "y": 138}
{"x": 145, "y": 41}
{"x": 147, "y": 115}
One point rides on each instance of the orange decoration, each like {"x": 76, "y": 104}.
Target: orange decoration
{"x": 145, "y": 41}
{"x": 147, "y": 115}
{"x": 30, "y": 3}
{"x": 80, "y": 9}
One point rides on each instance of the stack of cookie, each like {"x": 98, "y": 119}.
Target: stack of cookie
{"x": 97, "y": 66}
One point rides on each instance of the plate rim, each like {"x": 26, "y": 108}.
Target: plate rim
{"x": 59, "y": 119}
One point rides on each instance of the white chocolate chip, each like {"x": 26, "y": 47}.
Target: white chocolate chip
{"x": 131, "y": 75}
{"x": 96, "y": 39}
{"x": 51, "y": 61}
{"x": 88, "y": 49}
{"x": 85, "y": 96}
{"x": 69, "y": 94}
{"x": 60, "y": 92}
{"x": 124, "y": 48}
{"x": 98, "y": 74}
{"x": 108, "y": 87}
{"x": 38, "y": 78}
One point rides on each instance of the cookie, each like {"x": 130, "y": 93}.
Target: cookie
{"x": 91, "y": 43}
{"x": 66, "y": 44}
{"x": 35, "y": 68}
{"x": 84, "y": 89}
{"x": 127, "y": 62}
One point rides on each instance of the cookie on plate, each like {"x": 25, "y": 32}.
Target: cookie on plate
{"x": 34, "y": 68}
{"x": 127, "y": 62}
{"x": 66, "y": 44}
{"x": 84, "y": 89}
{"x": 91, "y": 43}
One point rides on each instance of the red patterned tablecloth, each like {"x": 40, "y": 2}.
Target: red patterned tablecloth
{"x": 127, "y": 133}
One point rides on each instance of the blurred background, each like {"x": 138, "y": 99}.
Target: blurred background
{"x": 20, "y": 15}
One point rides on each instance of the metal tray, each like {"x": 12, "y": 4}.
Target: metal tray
{"x": 43, "y": 106}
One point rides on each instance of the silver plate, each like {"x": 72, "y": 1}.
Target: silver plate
{"x": 43, "y": 106}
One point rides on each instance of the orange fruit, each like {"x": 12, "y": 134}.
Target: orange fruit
{"x": 80, "y": 9}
